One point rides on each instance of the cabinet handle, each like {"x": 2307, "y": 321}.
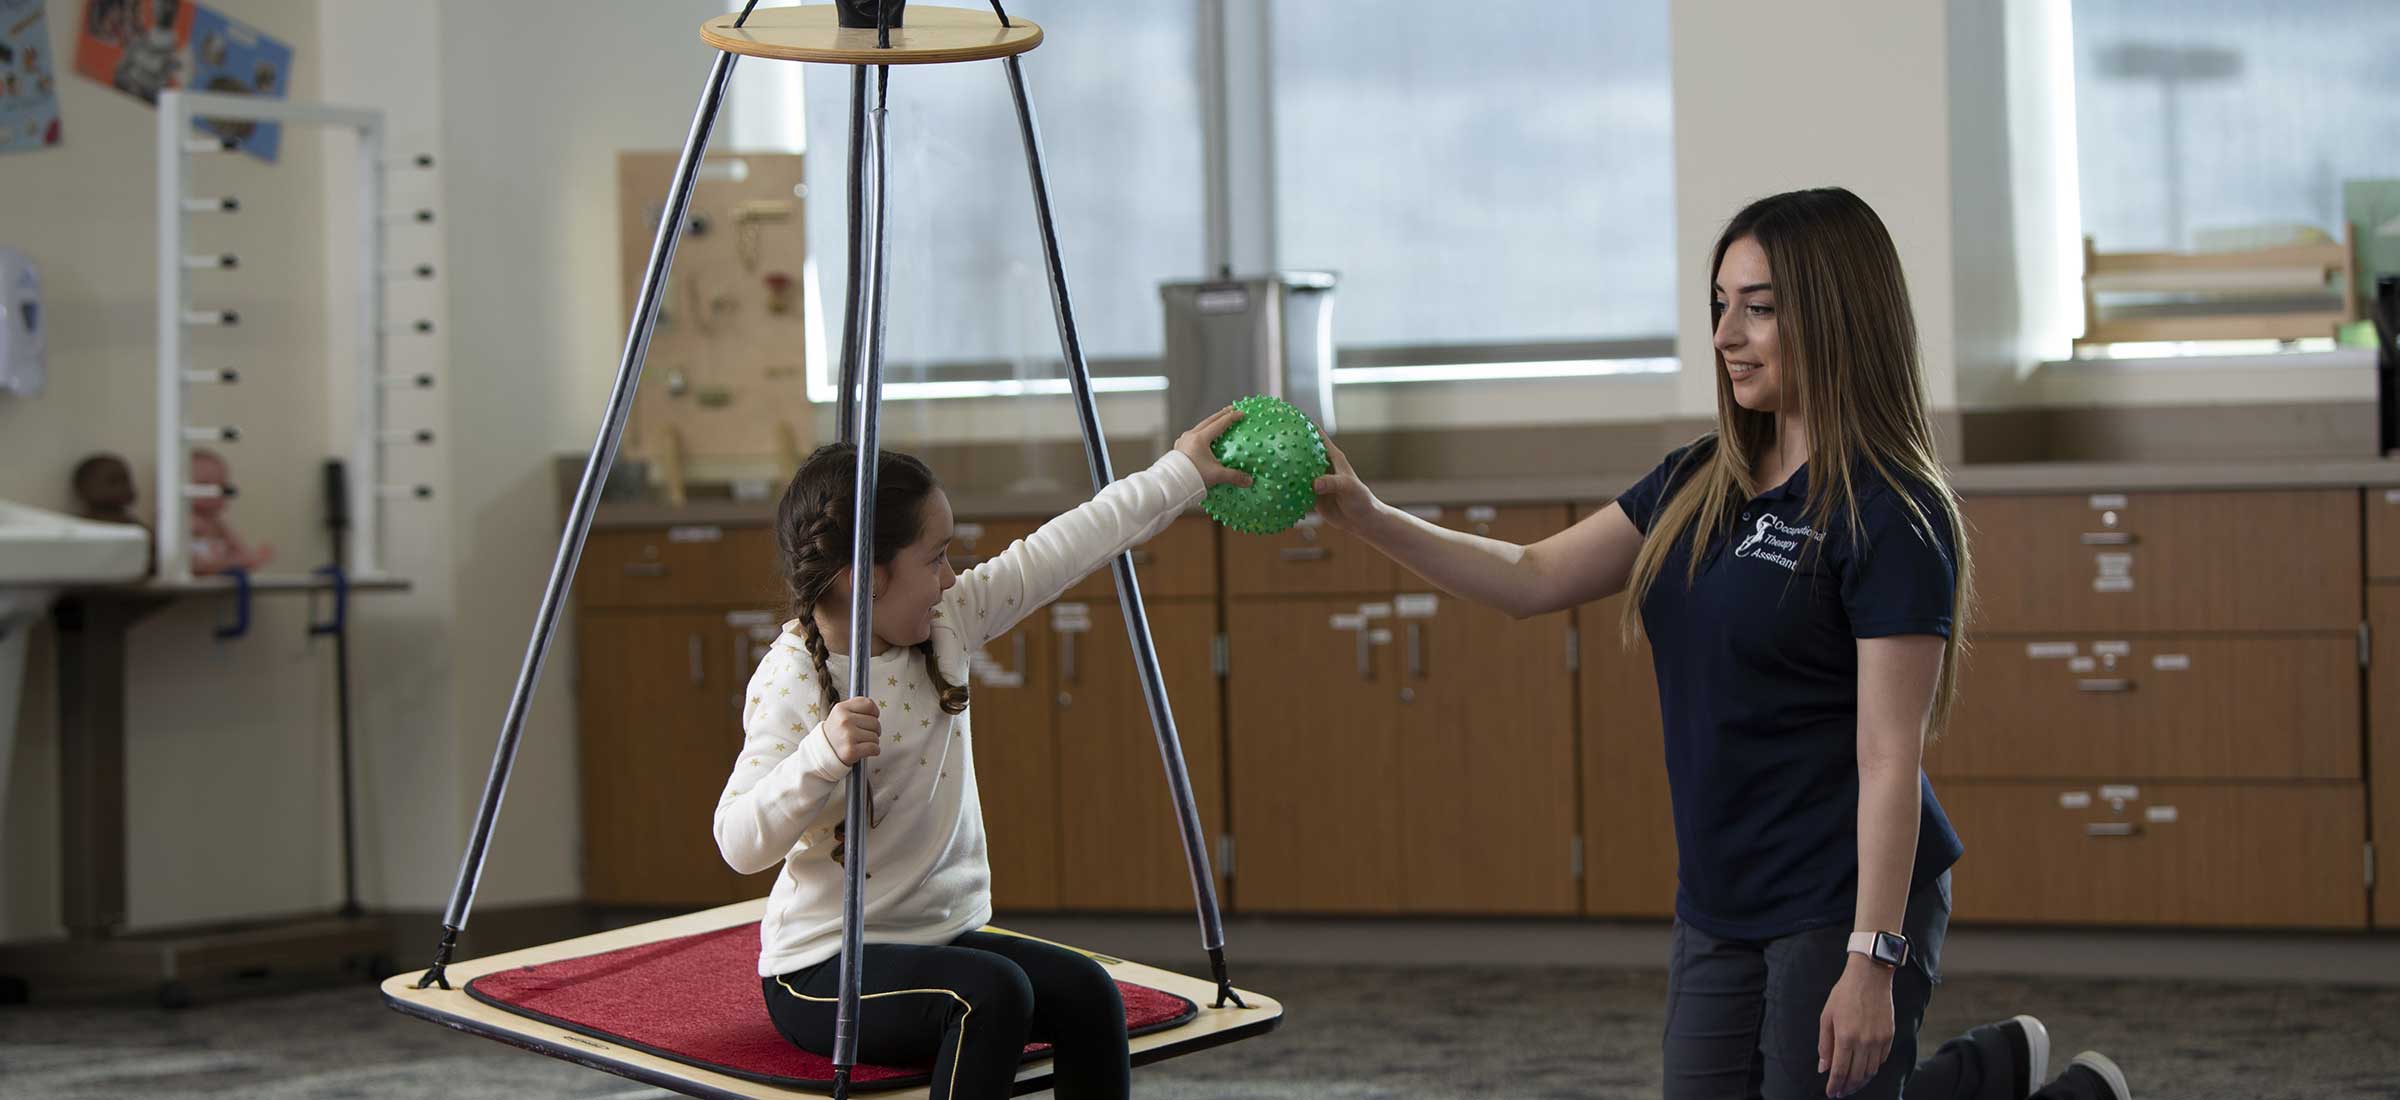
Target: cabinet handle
{"x": 1366, "y": 657}
{"x": 2117, "y": 685}
{"x": 2103, "y": 829}
{"x": 645, "y": 569}
{"x": 698, "y": 674}
{"x": 1305, "y": 553}
{"x": 2108, "y": 538}
{"x": 1416, "y": 651}
{"x": 1066, "y": 658}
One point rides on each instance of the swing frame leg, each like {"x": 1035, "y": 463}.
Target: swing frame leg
{"x": 1129, "y": 591}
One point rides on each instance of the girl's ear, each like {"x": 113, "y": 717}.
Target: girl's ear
{"x": 883, "y": 580}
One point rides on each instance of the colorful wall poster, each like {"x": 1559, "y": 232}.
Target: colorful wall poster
{"x": 234, "y": 58}
{"x": 134, "y": 46}
{"x": 28, "y": 94}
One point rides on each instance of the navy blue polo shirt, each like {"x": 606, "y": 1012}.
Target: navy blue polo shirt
{"x": 1757, "y": 665}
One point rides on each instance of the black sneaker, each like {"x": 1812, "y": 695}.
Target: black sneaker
{"x": 2097, "y": 1076}
{"x": 2029, "y": 1041}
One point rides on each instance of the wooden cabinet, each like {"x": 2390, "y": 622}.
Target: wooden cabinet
{"x": 1486, "y": 743}
{"x": 1316, "y": 768}
{"x": 2383, "y": 534}
{"x": 1310, "y": 559}
{"x": 1181, "y": 563}
{"x": 2383, "y": 706}
{"x": 2264, "y": 855}
{"x": 1628, "y": 818}
{"x": 1121, "y": 848}
{"x": 1016, "y": 766}
{"x": 655, "y": 758}
{"x": 680, "y": 567}
{"x": 2156, "y": 708}
{"x": 2110, "y": 563}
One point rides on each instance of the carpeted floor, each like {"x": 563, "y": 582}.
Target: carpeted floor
{"x": 1352, "y": 1033}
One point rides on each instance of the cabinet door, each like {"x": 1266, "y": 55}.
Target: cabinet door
{"x": 2383, "y": 703}
{"x": 1487, "y": 743}
{"x": 2262, "y": 855}
{"x": 661, "y": 727}
{"x": 2383, "y": 534}
{"x": 1628, "y": 819}
{"x": 2109, "y": 563}
{"x": 1315, "y": 769}
{"x": 676, "y": 567}
{"x": 1121, "y": 846}
{"x": 1016, "y": 773}
{"x": 2156, "y": 708}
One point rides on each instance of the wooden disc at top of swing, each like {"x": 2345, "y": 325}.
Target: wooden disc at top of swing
{"x": 928, "y": 35}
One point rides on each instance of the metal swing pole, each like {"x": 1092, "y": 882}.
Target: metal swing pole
{"x": 1129, "y": 592}
{"x": 856, "y": 820}
{"x": 579, "y": 517}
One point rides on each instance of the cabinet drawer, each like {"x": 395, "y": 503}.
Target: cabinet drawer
{"x": 2156, "y": 708}
{"x": 2112, "y": 562}
{"x": 1181, "y": 561}
{"x": 1310, "y": 559}
{"x": 2383, "y": 534}
{"x": 1520, "y": 524}
{"x": 2281, "y": 855}
{"x": 680, "y": 566}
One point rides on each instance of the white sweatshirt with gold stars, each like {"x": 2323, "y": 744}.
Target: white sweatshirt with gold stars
{"x": 928, "y": 878}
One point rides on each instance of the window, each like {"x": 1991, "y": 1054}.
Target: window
{"x": 1117, "y": 95}
{"x": 2215, "y": 117}
{"x": 1489, "y": 196}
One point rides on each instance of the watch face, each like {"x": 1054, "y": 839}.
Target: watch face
{"x": 1890, "y": 950}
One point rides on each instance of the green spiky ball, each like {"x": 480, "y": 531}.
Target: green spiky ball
{"x": 1284, "y": 456}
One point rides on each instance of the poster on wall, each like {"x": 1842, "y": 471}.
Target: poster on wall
{"x": 234, "y": 58}
{"x": 134, "y": 46}
{"x": 28, "y": 95}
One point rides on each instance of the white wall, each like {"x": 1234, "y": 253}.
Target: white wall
{"x": 230, "y": 794}
{"x": 1775, "y": 97}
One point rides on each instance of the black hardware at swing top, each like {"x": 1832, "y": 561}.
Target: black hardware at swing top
{"x": 863, "y": 329}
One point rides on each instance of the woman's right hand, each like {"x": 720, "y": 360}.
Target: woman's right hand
{"x": 855, "y": 731}
{"x": 1342, "y": 498}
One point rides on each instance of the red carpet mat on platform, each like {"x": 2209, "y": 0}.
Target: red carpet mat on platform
{"x": 695, "y": 999}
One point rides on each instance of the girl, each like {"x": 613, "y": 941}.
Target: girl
{"x": 1802, "y": 578}
{"x": 936, "y": 989}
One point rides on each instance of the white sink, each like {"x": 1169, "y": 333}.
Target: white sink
{"x": 40, "y": 553}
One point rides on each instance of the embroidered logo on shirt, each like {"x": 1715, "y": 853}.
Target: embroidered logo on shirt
{"x": 1775, "y": 541}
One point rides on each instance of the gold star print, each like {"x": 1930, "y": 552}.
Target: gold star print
{"x": 891, "y": 681}
{"x": 924, "y": 723}
{"x": 937, "y": 612}
{"x": 906, "y": 707}
{"x": 783, "y": 692}
{"x": 979, "y": 611}
{"x": 781, "y": 747}
{"x": 754, "y": 700}
{"x": 796, "y": 728}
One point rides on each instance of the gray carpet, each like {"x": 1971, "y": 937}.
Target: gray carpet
{"x": 1352, "y": 1034}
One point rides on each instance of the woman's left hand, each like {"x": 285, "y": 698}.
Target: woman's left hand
{"x": 1854, "y": 1034}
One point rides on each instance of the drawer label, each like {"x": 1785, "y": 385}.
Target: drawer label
{"x": 2112, "y": 584}
{"x": 992, "y": 673}
{"x": 1071, "y": 618}
{"x": 1418, "y": 607}
{"x": 1380, "y": 636}
{"x": 1427, "y": 512}
{"x": 2074, "y": 800}
{"x": 695, "y": 534}
{"x": 2125, "y": 793}
{"x": 2082, "y": 664}
{"x": 1373, "y": 611}
{"x": 2114, "y": 563}
{"x": 1348, "y": 622}
{"x": 2049, "y": 651}
{"x": 2158, "y": 813}
{"x": 2112, "y": 649}
{"x": 1313, "y": 519}
{"x": 2172, "y": 662}
{"x": 750, "y": 618}
{"x": 967, "y": 532}
{"x": 2103, "y": 501}
{"x": 1482, "y": 513}
{"x": 2391, "y": 496}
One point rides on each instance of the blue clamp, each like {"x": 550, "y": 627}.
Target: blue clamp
{"x": 241, "y": 606}
{"x": 341, "y": 601}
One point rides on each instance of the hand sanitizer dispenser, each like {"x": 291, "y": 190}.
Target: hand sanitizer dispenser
{"x": 22, "y": 345}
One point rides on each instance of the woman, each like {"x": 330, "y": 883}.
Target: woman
{"x": 1800, "y": 575}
